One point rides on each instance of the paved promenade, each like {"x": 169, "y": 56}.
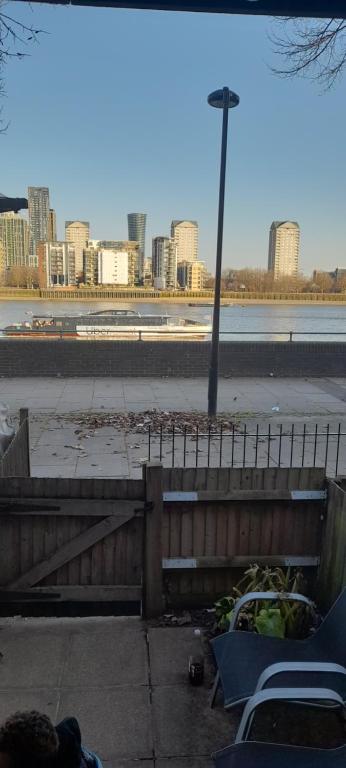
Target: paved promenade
{"x": 127, "y": 685}
{"x": 57, "y": 449}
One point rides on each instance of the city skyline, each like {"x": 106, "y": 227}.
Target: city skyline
{"x": 78, "y": 233}
{"x": 160, "y": 153}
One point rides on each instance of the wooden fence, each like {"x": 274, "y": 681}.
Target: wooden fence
{"x": 16, "y": 460}
{"x": 219, "y": 521}
{"x": 177, "y": 537}
{"x": 332, "y": 573}
{"x": 79, "y": 540}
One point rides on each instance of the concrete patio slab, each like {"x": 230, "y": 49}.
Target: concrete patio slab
{"x": 185, "y": 762}
{"x": 195, "y": 728}
{"x": 116, "y": 721}
{"x": 169, "y": 660}
{"x": 31, "y": 660}
{"x": 103, "y": 671}
{"x": 42, "y": 699}
{"x": 123, "y": 660}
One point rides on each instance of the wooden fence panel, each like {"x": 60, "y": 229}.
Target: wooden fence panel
{"x": 16, "y": 460}
{"x": 332, "y": 572}
{"x": 70, "y": 537}
{"x": 275, "y": 528}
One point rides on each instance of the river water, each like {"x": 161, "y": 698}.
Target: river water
{"x": 274, "y": 321}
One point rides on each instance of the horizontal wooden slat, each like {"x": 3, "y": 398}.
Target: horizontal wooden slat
{"x": 70, "y": 488}
{"x": 248, "y": 495}
{"x": 9, "y": 596}
{"x": 70, "y": 507}
{"x": 76, "y": 594}
{"x": 238, "y": 561}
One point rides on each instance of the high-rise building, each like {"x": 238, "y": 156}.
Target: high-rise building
{"x": 90, "y": 265}
{"x": 14, "y": 236}
{"x": 185, "y": 235}
{"x": 132, "y": 249}
{"x": 77, "y": 232}
{"x": 2, "y": 264}
{"x": 191, "y": 275}
{"x": 38, "y": 204}
{"x": 56, "y": 264}
{"x": 52, "y": 225}
{"x": 284, "y": 242}
{"x": 136, "y": 226}
{"x": 112, "y": 267}
{"x": 164, "y": 263}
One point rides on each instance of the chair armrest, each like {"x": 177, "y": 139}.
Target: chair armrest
{"x": 282, "y": 694}
{"x": 251, "y": 597}
{"x": 297, "y": 666}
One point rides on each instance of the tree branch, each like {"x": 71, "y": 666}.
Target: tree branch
{"x": 310, "y": 50}
{"x": 14, "y": 34}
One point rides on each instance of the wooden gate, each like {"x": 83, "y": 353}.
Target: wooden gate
{"x": 71, "y": 540}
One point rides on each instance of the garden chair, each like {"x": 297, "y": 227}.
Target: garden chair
{"x": 247, "y": 661}
{"x": 255, "y": 754}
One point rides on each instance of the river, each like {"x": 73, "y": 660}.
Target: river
{"x": 274, "y": 321}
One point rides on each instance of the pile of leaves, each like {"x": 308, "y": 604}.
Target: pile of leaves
{"x": 155, "y": 420}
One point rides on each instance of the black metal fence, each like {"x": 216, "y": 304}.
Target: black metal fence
{"x": 306, "y": 445}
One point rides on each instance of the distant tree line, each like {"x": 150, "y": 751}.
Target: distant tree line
{"x": 19, "y": 277}
{"x": 262, "y": 281}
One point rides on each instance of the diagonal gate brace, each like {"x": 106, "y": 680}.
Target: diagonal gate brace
{"x": 70, "y": 550}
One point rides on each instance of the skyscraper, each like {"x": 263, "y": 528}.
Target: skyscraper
{"x": 284, "y": 242}
{"x": 77, "y": 232}
{"x": 14, "y": 236}
{"x": 52, "y": 225}
{"x": 38, "y": 204}
{"x": 164, "y": 263}
{"x": 136, "y": 226}
{"x": 185, "y": 235}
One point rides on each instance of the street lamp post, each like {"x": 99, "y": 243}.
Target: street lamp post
{"x": 223, "y": 99}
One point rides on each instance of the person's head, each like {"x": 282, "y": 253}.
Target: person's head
{"x": 27, "y": 739}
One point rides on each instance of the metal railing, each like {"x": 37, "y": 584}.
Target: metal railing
{"x": 277, "y": 446}
{"x": 186, "y": 331}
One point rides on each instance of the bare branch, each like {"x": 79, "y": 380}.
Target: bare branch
{"x": 14, "y": 36}
{"x": 315, "y": 50}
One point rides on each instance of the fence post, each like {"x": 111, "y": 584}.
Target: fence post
{"x": 23, "y": 414}
{"x": 24, "y": 425}
{"x": 153, "y": 577}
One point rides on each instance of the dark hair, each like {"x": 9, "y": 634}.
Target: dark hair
{"x": 29, "y": 738}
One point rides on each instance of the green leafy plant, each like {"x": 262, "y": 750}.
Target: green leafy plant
{"x": 270, "y": 622}
{"x": 284, "y": 619}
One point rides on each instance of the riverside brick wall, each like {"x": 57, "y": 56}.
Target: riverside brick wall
{"x": 185, "y": 359}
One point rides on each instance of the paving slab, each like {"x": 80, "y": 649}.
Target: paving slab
{"x": 169, "y": 650}
{"x": 128, "y": 763}
{"x": 31, "y": 659}
{"x": 310, "y": 401}
{"x": 42, "y": 699}
{"x": 123, "y": 660}
{"x": 184, "y": 723}
{"x": 115, "y": 722}
{"x": 185, "y": 762}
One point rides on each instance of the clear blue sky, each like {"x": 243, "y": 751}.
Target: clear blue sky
{"x": 110, "y": 112}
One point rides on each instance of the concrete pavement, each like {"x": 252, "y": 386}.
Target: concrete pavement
{"x": 56, "y": 405}
{"x": 126, "y": 684}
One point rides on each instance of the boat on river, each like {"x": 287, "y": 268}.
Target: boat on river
{"x": 109, "y": 324}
